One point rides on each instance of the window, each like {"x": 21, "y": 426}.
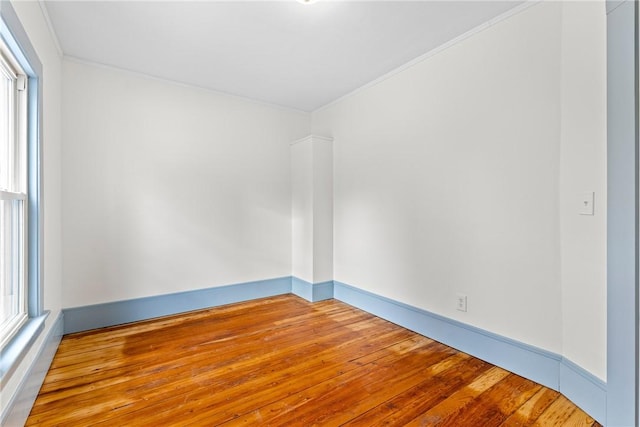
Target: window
{"x": 22, "y": 314}
{"x": 13, "y": 196}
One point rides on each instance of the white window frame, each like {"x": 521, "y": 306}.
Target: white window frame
{"x": 13, "y": 188}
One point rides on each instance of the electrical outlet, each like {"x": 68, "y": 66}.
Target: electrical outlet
{"x": 461, "y": 302}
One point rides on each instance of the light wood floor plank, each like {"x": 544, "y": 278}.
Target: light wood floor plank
{"x": 282, "y": 361}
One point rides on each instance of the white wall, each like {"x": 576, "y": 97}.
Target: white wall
{"x": 312, "y": 209}
{"x": 448, "y": 179}
{"x": 322, "y": 210}
{"x": 170, "y": 188}
{"x": 302, "y": 210}
{"x": 583, "y": 168}
{"x": 34, "y": 24}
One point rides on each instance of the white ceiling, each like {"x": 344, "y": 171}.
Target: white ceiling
{"x": 280, "y": 52}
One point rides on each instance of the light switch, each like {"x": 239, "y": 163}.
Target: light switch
{"x": 586, "y": 203}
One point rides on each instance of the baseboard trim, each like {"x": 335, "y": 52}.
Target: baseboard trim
{"x": 311, "y": 291}
{"x": 584, "y": 389}
{"x": 542, "y": 366}
{"x": 20, "y": 405}
{"x": 95, "y": 316}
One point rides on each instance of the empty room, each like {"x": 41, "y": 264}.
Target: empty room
{"x": 319, "y": 212}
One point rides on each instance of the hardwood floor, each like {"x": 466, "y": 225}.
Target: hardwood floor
{"x": 283, "y": 361}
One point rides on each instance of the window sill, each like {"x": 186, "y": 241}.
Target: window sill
{"x": 15, "y": 351}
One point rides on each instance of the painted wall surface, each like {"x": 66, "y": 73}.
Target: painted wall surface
{"x": 302, "y": 210}
{"x": 322, "y": 210}
{"x": 583, "y": 161}
{"x": 35, "y": 25}
{"x": 170, "y": 188}
{"x": 312, "y": 209}
{"x": 447, "y": 181}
